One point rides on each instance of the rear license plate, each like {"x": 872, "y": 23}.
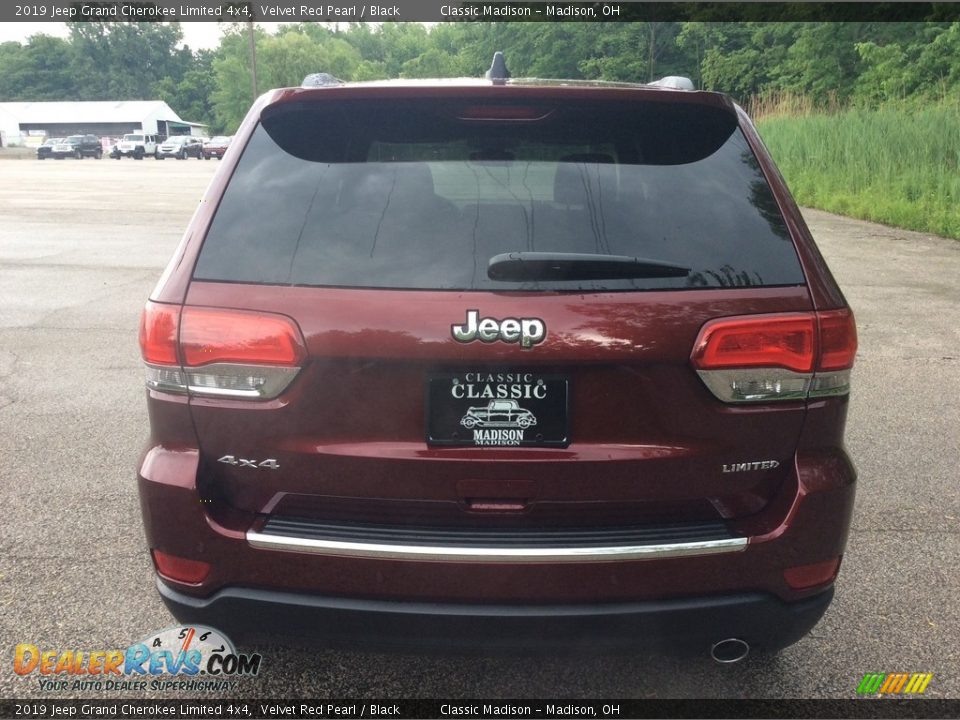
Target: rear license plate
{"x": 497, "y": 409}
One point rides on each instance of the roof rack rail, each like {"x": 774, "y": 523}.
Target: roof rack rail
{"x": 320, "y": 80}
{"x": 674, "y": 82}
{"x": 498, "y": 69}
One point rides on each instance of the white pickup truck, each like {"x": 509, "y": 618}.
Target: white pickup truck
{"x": 135, "y": 145}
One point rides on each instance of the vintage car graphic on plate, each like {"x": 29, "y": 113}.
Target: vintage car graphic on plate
{"x": 499, "y": 414}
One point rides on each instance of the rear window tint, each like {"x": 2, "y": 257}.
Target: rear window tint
{"x": 409, "y": 194}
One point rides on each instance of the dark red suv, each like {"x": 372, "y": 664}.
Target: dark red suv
{"x": 499, "y": 362}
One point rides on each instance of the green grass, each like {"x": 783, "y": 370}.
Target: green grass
{"x": 894, "y": 166}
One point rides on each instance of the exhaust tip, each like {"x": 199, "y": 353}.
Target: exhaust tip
{"x": 730, "y": 650}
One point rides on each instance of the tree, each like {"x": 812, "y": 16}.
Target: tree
{"x": 124, "y": 60}
{"x": 191, "y": 96}
{"x": 43, "y": 69}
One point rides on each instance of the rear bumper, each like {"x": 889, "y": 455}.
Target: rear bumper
{"x": 695, "y": 623}
{"x": 351, "y": 588}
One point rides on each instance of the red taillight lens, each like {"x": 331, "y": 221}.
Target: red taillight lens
{"x": 787, "y": 356}
{"x": 802, "y": 577}
{"x": 225, "y": 353}
{"x": 838, "y": 339}
{"x": 158, "y": 333}
{"x": 180, "y": 569}
{"x": 209, "y": 335}
{"x": 785, "y": 341}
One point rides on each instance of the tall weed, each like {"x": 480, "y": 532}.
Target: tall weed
{"x": 897, "y": 166}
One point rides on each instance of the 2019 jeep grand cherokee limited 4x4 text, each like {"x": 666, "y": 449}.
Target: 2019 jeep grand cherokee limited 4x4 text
{"x": 621, "y": 262}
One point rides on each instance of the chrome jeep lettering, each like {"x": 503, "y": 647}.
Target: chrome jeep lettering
{"x": 527, "y": 331}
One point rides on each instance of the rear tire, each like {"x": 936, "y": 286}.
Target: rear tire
{"x": 98, "y": 155}
{"x": 78, "y": 155}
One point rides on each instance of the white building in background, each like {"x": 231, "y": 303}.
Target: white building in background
{"x": 28, "y": 123}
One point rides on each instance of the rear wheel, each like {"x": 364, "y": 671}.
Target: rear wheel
{"x": 78, "y": 155}
{"x": 98, "y": 154}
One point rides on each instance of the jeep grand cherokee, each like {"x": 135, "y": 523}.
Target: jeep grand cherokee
{"x": 374, "y": 261}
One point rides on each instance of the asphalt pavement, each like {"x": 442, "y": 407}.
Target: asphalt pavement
{"x": 82, "y": 244}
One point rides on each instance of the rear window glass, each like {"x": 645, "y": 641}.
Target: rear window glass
{"x": 421, "y": 194}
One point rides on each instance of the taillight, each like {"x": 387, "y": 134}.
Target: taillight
{"x": 802, "y": 577}
{"x": 158, "y": 333}
{"x": 224, "y": 353}
{"x": 180, "y": 569}
{"x": 785, "y": 341}
{"x": 838, "y": 340}
{"x": 209, "y": 336}
{"x": 785, "y": 356}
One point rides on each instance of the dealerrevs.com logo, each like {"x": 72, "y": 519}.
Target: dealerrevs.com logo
{"x": 192, "y": 657}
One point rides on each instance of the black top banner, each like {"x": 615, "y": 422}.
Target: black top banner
{"x": 439, "y": 11}
{"x": 873, "y": 707}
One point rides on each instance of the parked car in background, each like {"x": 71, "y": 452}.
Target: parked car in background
{"x": 78, "y": 146}
{"x": 136, "y": 145}
{"x": 180, "y": 147}
{"x": 215, "y": 147}
{"x": 46, "y": 150}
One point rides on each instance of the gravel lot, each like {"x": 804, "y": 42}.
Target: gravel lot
{"x": 83, "y": 242}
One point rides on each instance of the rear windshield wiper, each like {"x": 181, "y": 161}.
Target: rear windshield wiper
{"x": 518, "y": 266}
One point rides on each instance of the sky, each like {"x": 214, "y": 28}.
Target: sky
{"x": 198, "y": 35}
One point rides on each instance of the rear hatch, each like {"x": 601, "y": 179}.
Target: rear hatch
{"x": 478, "y": 349}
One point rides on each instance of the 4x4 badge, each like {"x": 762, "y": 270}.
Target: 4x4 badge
{"x": 527, "y": 331}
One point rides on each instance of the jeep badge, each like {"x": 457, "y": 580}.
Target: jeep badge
{"x": 527, "y": 331}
